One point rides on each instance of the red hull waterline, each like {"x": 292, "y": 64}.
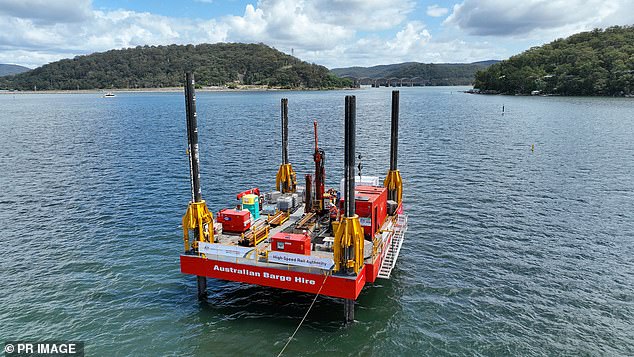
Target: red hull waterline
{"x": 335, "y": 286}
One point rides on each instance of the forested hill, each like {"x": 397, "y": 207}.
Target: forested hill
{"x": 423, "y": 73}
{"x": 599, "y": 62}
{"x": 8, "y": 69}
{"x": 163, "y": 66}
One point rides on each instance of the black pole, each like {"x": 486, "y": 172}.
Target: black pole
{"x": 192, "y": 136}
{"x": 348, "y": 310}
{"x": 349, "y": 154}
{"x": 189, "y": 156}
{"x": 394, "y": 143}
{"x": 194, "y": 162}
{"x": 284, "y": 131}
{"x": 349, "y": 202}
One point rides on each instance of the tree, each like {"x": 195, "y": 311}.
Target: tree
{"x": 598, "y": 62}
{"x": 163, "y": 66}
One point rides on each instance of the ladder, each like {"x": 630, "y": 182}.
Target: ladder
{"x": 391, "y": 254}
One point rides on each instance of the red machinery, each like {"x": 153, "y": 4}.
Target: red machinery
{"x": 371, "y": 207}
{"x": 291, "y": 243}
{"x": 254, "y": 191}
{"x": 234, "y": 221}
{"x": 320, "y": 174}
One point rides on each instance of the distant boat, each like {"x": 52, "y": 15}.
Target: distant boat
{"x": 109, "y": 94}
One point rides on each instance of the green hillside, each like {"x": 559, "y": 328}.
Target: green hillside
{"x": 163, "y": 66}
{"x": 599, "y": 62}
{"x": 425, "y": 73}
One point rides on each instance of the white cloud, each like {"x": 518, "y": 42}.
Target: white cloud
{"x": 505, "y": 18}
{"x": 436, "y": 11}
{"x": 101, "y": 31}
{"x": 372, "y": 51}
{"x": 314, "y": 25}
{"x": 461, "y": 51}
{"x": 360, "y": 14}
{"x": 283, "y": 23}
{"x": 412, "y": 38}
{"x": 408, "y": 44}
{"x": 28, "y": 58}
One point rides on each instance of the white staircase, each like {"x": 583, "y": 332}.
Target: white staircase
{"x": 394, "y": 248}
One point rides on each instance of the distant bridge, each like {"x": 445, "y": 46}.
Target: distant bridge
{"x": 389, "y": 82}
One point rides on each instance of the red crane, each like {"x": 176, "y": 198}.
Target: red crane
{"x": 320, "y": 174}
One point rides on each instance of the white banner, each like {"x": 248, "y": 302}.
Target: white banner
{"x": 233, "y": 251}
{"x": 301, "y": 260}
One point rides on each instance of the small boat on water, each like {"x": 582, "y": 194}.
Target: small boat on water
{"x": 309, "y": 239}
{"x": 109, "y": 95}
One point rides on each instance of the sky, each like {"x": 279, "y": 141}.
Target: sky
{"x": 334, "y": 33}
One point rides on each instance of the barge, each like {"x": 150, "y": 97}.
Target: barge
{"x": 299, "y": 237}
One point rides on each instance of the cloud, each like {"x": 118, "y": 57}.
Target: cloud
{"x": 120, "y": 28}
{"x": 460, "y": 51}
{"x": 314, "y": 25}
{"x": 103, "y": 31}
{"x": 436, "y": 11}
{"x": 47, "y": 11}
{"x": 373, "y": 51}
{"x": 28, "y": 58}
{"x": 408, "y": 44}
{"x": 360, "y": 14}
{"x": 506, "y": 18}
{"x": 412, "y": 38}
{"x": 284, "y": 23}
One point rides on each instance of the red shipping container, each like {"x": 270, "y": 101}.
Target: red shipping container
{"x": 234, "y": 221}
{"x": 371, "y": 207}
{"x": 291, "y": 243}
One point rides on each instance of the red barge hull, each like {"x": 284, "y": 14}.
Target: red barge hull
{"x": 335, "y": 286}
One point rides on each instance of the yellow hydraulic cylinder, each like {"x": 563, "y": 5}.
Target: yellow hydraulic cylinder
{"x": 286, "y": 179}
{"x": 349, "y": 233}
{"x": 198, "y": 218}
{"x": 394, "y": 185}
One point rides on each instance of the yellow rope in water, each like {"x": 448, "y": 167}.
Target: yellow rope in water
{"x": 305, "y": 315}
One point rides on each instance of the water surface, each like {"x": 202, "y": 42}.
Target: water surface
{"x": 510, "y": 251}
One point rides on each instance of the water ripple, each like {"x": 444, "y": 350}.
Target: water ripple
{"x": 509, "y": 252}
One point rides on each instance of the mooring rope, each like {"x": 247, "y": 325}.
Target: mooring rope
{"x": 305, "y": 315}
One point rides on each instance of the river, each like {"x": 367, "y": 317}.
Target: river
{"x": 521, "y": 235}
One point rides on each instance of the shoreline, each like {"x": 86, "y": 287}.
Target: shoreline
{"x": 242, "y": 88}
{"x": 250, "y": 88}
{"x": 492, "y": 92}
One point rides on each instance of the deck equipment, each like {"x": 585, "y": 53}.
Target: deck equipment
{"x": 286, "y": 179}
